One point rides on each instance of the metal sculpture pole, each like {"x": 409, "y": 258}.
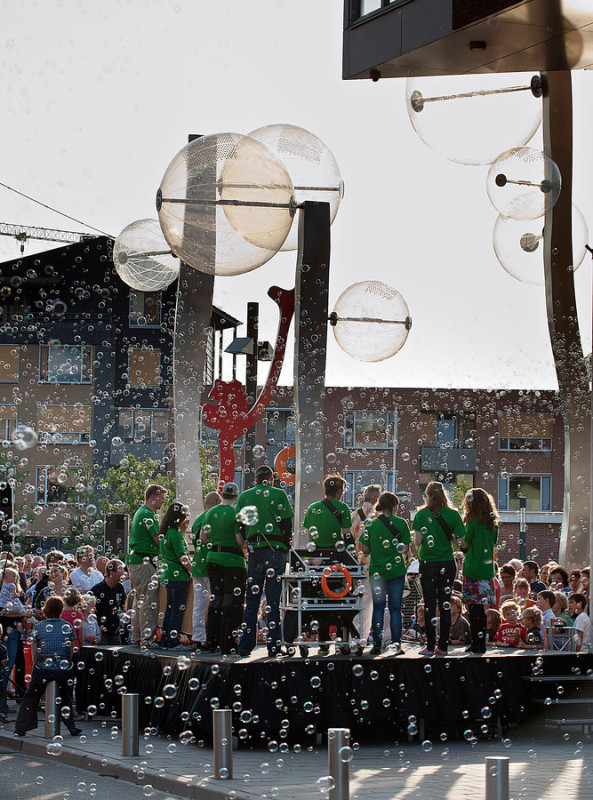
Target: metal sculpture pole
{"x": 251, "y": 390}
{"x": 192, "y": 335}
{"x": 311, "y": 314}
{"x": 573, "y": 383}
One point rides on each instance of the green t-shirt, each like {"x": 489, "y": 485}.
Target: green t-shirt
{"x": 479, "y": 558}
{"x": 172, "y": 548}
{"x": 198, "y": 566}
{"x": 272, "y": 506}
{"x": 219, "y": 523}
{"x": 144, "y": 527}
{"x": 325, "y": 529}
{"x": 435, "y": 543}
{"x": 386, "y": 559}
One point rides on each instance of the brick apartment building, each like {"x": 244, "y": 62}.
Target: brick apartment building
{"x": 86, "y": 363}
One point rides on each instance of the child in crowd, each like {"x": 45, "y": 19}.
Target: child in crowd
{"x": 417, "y": 633}
{"x": 3, "y": 665}
{"x": 532, "y": 621}
{"x": 460, "y": 632}
{"x": 73, "y": 614}
{"x": 9, "y": 593}
{"x": 522, "y": 589}
{"x": 545, "y": 600}
{"x": 493, "y": 623}
{"x": 511, "y": 633}
{"x": 91, "y": 628}
{"x": 577, "y": 602}
{"x": 560, "y": 608}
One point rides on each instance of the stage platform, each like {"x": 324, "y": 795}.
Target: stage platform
{"x": 382, "y": 698}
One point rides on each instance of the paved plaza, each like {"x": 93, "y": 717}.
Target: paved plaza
{"x": 543, "y": 766}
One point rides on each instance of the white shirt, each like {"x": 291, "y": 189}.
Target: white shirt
{"x": 85, "y": 582}
{"x": 583, "y": 623}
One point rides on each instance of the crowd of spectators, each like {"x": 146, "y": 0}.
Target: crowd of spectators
{"x": 530, "y": 599}
{"x": 92, "y": 597}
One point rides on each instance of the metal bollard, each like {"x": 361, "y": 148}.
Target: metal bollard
{"x": 129, "y": 725}
{"x": 222, "y": 733}
{"x": 339, "y": 766}
{"x": 497, "y": 778}
{"x": 53, "y": 710}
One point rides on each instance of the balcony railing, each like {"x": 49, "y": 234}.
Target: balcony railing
{"x": 448, "y": 459}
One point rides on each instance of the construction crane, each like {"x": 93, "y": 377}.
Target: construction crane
{"x": 24, "y": 232}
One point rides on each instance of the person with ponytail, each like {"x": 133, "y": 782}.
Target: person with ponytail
{"x": 436, "y": 526}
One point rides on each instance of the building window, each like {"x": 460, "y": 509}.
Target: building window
{"x": 280, "y": 426}
{"x": 356, "y": 480}
{"x": 64, "y": 424}
{"x": 65, "y": 363}
{"x": 525, "y": 432}
{"x": 9, "y": 363}
{"x": 8, "y": 417}
{"x": 144, "y": 367}
{"x": 536, "y": 489}
{"x": 369, "y": 429}
{"x": 360, "y": 8}
{"x": 147, "y": 425}
{"x": 145, "y": 309}
{"x": 61, "y": 484}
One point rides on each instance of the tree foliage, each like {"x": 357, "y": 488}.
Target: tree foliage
{"x": 124, "y": 485}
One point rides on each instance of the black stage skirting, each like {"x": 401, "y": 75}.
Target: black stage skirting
{"x": 295, "y": 699}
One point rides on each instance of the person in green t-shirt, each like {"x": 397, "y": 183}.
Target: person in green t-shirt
{"x": 199, "y": 571}
{"x": 226, "y": 573}
{"x": 143, "y": 550}
{"x": 480, "y": 518}
{"x": 174, "y": 572}
{"x": 436, "y": 524}
{"x": 264, "y": 524}
{"x": 387, "y": 538}
{"x": 328, "y": 522}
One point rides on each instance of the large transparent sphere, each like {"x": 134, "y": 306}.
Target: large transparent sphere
{"x": 519, "y": 246}
{"x": 142, "y": 257}
{"x": 311, "y": 165}
{"x": 523, "y": 183}
{"x": 472, "y": 118}
{"x": 225, "y": 204}
{"x": 373, "y": 321}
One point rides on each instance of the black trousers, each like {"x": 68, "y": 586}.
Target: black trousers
{"x": 27, "y": 717}
{"x": 477, "y": 622}
{"x": 225, "y": 609}
{"x": 436, "y": 578}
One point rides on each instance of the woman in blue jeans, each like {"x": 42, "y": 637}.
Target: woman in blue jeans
{"x": 437, "y": 525}
{"x": 386, "y": 538}
{"x": 174, "y": 572}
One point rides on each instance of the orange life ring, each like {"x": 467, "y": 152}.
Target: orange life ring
{"x": 280, "y": 464}
{"x": 327, "y": 572}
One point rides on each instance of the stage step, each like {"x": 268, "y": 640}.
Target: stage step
{"x": 583, "y": 722}
{"x": 558, "y": 678}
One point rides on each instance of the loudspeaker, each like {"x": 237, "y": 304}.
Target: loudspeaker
{"x": 116, "y": 534}
{"x": 6, "y": 513}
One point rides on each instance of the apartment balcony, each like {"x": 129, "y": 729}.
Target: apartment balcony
{"x": 447, "y": 459}
{"x": 141, "y": 450}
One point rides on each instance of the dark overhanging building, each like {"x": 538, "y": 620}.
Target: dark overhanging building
{"x": 403, "y": 38}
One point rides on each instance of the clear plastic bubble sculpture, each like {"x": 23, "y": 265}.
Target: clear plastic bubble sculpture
{"x": 142, "y": 257}
{"x": 519, "y": 246}
{"x": 470, "y": 119}
{"x": 311, "y": 165}
{"x": 371, "y": 321}
{"x": 523, "y": 183}
{"x": 225, "y": 204}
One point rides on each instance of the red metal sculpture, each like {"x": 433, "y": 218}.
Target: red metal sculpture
{"x": 227, "y": 410}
